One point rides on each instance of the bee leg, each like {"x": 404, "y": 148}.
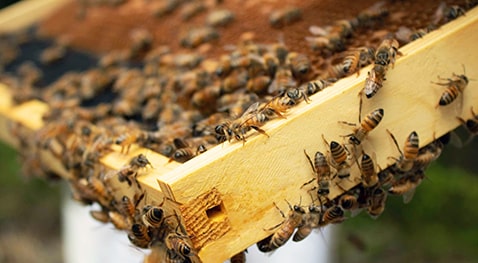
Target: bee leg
{"x": 347, "y": 123}
{"x": 260, "y": 130}
{"x": 307, "y": 183}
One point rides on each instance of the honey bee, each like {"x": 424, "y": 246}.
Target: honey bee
{"x": 353, "y": 62}
{"x": 283, "y": 80}
{"x": 140, "y": 161}
{"x": 191, "y": 9}
{"x": 119, "y": 221}
{"x": 235, "y": 81}
{"x": 141, "y": 40}
{"x": 471, "y": 125}
{"x": 198, "y": 36}
{"x": 332, "y": 215}
{"x": 128, "y": 207}
{"x": 411, "y": 148}
{"x": 239, "y": 257}
{"x": 152, "y": 216}
{"x": 374, "y": 80}
{"x": 206, "y": 96}
{"x": 317, "y": 85}
{"x": 180, "y": 244}
{"x": 99, "y": 189}
{"x": 339, "y": 156}
{"x": 184, "y": 152}
{"x": 377, "y": 202}
{"x": 140, "y": 236}
{"x": 406, "y": 185}
{"x": 372, "y": 15}
{"x": 258, "y": 84}
{"x": 321, "y": 170}
{"x": 452, "y": 12}
{"x": 162, "y": 8}
{"x": 284, "y": 17}
{"x": 366, "y": 125}
{"x": 173, "y": 257}
{"x": 454, "y": 86}
{"x": 285, "y": 229}
{"x": 101, "y": 216}
{"x": 220, "y": 18}
{"x": 252, "y": 118}
{"x": 369, "y": 175}
{"x": 224, "y": 66}
{"x": 53, "y": 54}
{"x": 330, "y": 43}
{"x": 429, "y": 153}
{"x": 299, "y": 64}
{"x": 311, "y": 221}
{"x": 386, "y": 53}
{"x": 348, "y": 202}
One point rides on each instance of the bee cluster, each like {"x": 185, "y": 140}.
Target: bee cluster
{"x": 182, "y": 102}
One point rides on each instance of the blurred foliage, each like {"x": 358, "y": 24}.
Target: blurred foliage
{"x": 438, "y": 225}
{"x": 29, "y": 214}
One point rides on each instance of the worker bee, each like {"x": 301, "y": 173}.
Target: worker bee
{"x": 184, "y": 152}
{"x": 285, "y": 229}
{"x": 317, "y": 85}
{"x": 101, "y": 215}
{"x": 141, "y": 40}
{"x": 206, "y": 96}
{"x": 377, "y": 202}
{"x": 128, "y": 207}
{"x": 239, "y": 257}
{"x": 452, "y": 12}
{"x": 219, "y": 18}
{"x": 406, "y": 185}
{"x": 366, "y": 125}
{"x": 235, "y": 81}
{"x": 126, "y": 140}
{"x": 140, "y": 236}
{"x": 180, "y": 244}
{"x": 321, "y": 170}
{"x": 430, "y": 152}
{"x": 119, "y": 221}
{"x": 369, "y": 175}
{"x": 299, "y": 64}
{"x": 284, "y": 17}
{"x": 407, "y": 158}
{"x": 152, "y": 216}
{"x": 198, "y": 36}
{"x": 332, "y": 215}
{"x": 328, "y": 44}
{"x": 374, "y": 80}
{"x": 271, "y": 63}
{"x": 471, "y": 125}
{"x": 339, "y": 156}
{"x": 283, "y": 80}
{"x": 311, "y": 221}
{"x": 348, "y": 202}
{"x": 454, "y": 86}
{"x": 140, "y": 161}
{"x": 353, "y": 62}
{"x": 253, "y": 118}
{"x": 386, "y": 53}
{"x": 53, "y": 54}
{"x": 99, "y": 189}
{"x": 258, "y": 84}
{"x": 372, "y": 15}
{"x": 191, "y": 9}
{"x": 162, "y": 8}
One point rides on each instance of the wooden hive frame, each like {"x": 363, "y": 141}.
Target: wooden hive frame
{"x": 225, "y": 197}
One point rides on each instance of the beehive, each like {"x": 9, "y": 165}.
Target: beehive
{"x": 225, "y": 197}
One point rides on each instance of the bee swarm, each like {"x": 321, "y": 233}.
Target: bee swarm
{"x": 252, "y": 82}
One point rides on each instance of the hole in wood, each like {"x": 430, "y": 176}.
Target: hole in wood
{"x": 216, "y": 213}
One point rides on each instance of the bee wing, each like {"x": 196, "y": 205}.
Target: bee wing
{"x": 456, "y": 141}
{"x": 356, "y": 212}
{"x": 317, "y": 30}
{"x": 403, "y": 34}
{"x": 251, "y": 109}
{"x": 408, "y": 196}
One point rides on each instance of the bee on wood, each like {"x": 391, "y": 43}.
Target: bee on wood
{"x": 140, "y": 236}
{"x": 317, "y": 85}
{"x": 219, "y": 18}
{"x": 430, "y": 153}
{"x": 406, "y": 185}
{"x": 152, "y": 216}
{"x": 252, "y": 118}
{"x": 311, "y": 221}
{"x": 339, "y": 155}
{"x": 284, "y": 17}
{"x": 198, "y": 36}
{"x": 126, "y": 140}
{"x": 140, "y": 161}
{"x": 184, "y": 152}
{"x": 411, "y": 148}
{"x": 332, "y": 215}
{"x": 129, "y": 207}
{"x": 285, "y": 229}
{"x": 374, "y": 80}
{"x": 321, "y": 170}
{"x": 453, "y": 87}
{"x": 283, "y": 80}
{"x": 377, "y": 202}
{"x": 353, "y": 62}
{"x": 330, "y": 43}
{"x": 180, "y": 244}
{"x": 369, "y": 123}
{"x": 386, "y": 53}
{"x": 369, "y": 175}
